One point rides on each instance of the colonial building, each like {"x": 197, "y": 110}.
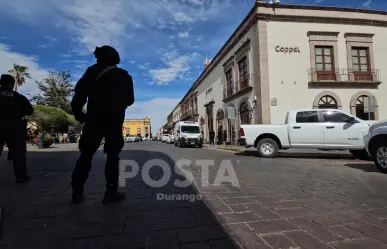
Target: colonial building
{"x": 284, "y": 57}
{"x": 176, "y": 114}
{"x": 141, "y": 127}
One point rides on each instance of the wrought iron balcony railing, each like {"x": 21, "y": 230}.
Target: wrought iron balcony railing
{"x": 344, "y": 75}
{"x": 237, "y": 87}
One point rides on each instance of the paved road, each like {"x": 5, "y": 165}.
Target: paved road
{"x": 280, "y": 203}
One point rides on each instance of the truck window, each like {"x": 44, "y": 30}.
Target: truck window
{"x": 307, "y": 117}
{"x": 335, "y": 117}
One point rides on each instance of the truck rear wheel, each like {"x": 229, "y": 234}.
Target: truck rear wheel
{"x": 379, "y": 155}
{"x": 267, "y": 147}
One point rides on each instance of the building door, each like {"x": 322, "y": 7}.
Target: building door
{"x": 219, "y": 121}
{"x": 210, "y": 118}
{"x": 365, "y": 108}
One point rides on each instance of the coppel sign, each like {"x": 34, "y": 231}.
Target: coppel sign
{"x": 287, "y": 50}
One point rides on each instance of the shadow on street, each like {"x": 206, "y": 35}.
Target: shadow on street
{"x": 283, "y": 154}
{"x": 366, "y": 167}
{"x": 39, "y": 214}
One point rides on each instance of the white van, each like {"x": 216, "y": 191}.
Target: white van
{"x": 187, "y": 133}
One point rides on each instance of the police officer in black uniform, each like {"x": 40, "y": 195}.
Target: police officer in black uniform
{"x": 13, "y": 107}
{"x": 108, "y": 91}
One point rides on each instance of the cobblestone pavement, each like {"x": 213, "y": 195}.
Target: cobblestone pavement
{"x": 280, "y": 203}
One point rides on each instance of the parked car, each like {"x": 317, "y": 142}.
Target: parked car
{"x": 328, "y": 129}
{"x": 167, "y": 139}
{"x": 130, "y": 139}
{"x": 375, "y": 142}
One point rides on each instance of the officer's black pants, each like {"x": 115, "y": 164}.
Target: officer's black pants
{"x": 13, "y": 133}
{"x": 90, "y": 141}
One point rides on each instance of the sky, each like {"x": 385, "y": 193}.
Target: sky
{"x": 162, "y": 43}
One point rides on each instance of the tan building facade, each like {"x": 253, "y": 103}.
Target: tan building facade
{"x": 137, "y": 127}
{"x": 285, "y": 57}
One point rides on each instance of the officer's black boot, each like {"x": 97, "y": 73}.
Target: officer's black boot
{"x": 23, "y": 179}
{"x": 112, "y": 196}
{"x": 78, "y": 196}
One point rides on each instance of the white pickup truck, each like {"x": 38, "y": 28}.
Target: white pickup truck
{"x": 327, "y": 129}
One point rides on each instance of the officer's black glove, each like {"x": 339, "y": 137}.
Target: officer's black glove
{"x": 80, "y": 117}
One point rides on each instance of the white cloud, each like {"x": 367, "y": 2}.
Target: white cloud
{"x": 183, "y": 34}
{"x": 51, "y": 39}
{"x": 45, "y": 46}
{"x": 367, "y": 4}
{"x": 65, "y": 55}
{"x": 156, "y": 109}
{"x": 144, "y": 66}
{"x": 176, "y": 67}
{"x": 8, "y": 58}
{"x": 196, "y": 2}
{"x": 98, "y": 22}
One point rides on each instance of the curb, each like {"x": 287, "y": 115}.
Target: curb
{"x": 230, "y": 149}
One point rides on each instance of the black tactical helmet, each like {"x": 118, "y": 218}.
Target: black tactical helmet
{"x": 7, "y": 81}
{"x": 107, "y": 54}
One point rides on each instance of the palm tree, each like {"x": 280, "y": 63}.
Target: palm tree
{"x": 20, "y": 74}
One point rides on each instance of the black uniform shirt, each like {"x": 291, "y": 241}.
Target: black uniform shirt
{"x": 13, "y": 106}
{"x": 105, "y": 89}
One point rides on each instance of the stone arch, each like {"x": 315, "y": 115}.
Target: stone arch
{"x": 245, "y": 99}
{"x": 327, "y": 93}
{"x": 359, "y": 94}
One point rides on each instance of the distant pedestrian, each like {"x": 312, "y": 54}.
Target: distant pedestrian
{"x": 212, "y": 137}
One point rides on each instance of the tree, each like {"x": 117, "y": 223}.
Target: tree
{"x": 47, "y": 118}
{"x": 20, "y": 74}
{"x": 56, "y": 90}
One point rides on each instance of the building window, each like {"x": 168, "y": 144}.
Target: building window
{"x": 327, "y": 102}
{"x": 127, "y": 130}
{"x": 138, "y": 130}
{"x": 243, "y": 73}
{"x": 365, "y": 108}
{"x": 230, "y": 83}
{"x": 244, "y": 112}
{"x": 146, "y": 129}
{"x": 325, "y": 63}
{"x": 361, "y": 64}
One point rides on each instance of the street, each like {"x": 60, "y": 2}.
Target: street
{"x": 286, "y": 202}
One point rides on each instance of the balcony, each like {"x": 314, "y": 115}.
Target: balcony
{"x": 344, "y": 78}
{"x": 237, "y": 89}
{"x": 189, "y": 114}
